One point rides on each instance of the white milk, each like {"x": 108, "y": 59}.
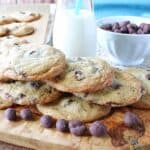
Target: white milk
{"x": 75, "y": 34}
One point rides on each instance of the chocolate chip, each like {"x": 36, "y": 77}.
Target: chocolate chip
{"x": 24, "y": 75}
{"x": 22, "y": 12}
{"x": 107, "y": 27}
{"x": 32, "y": 52}
{"x": 98, "y": 129}
{"x": 68, "y": 102}
{"x": 148, "y": 76}
{"x": 142, "y": 25}
{"x": 21, "y": 95}
{"x": 131, "y": 31}
{"x": 124, "y": 23}
{"x": 36, "y": 84}
{"x": 26, "y": 114}
{"x": 75, "y": 123}
{"x": 117, "y": 31}
{"x": 10, "y": 81}
{"x": 124, "y": 29}
{"x": 79, "y": 130}
{"x": 116, "y": 85}
{"x": 79, "y": 75}
{"x": 62, "y": 125}
{"x": 115, "y": 26}
{"x": 32, "y": 14}
{"x": 140, "y": 31}
{"x": 133, "y": 26}
{"x": 46, "y": 121}
{"x": 7, "y": 95}
{"x": 131, "y": 120}
{"x": 17, "y": 44}
{"x": 10, "y": 114}
{"x": 146, "y": 28}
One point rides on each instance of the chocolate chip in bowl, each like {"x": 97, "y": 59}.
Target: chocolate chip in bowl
{"x": 127, "y": 43}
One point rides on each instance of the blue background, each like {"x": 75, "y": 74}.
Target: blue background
{"x": 104, "y": 8}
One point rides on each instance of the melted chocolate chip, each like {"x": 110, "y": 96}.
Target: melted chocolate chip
{"x": 131, "y": 120}
{"x": 7, "y": 95}
{"x": 36, "y": 84}
{"x": 116, "y": 85}
{"x": 68, "y": 102}
{"x": 17, "y": 44}
{"x": 62, "y": 125}
{"x": 98, "y": 129}
{"x": 24, "y": 75}
{"x": 79, "y": 75}
{"x": 148, "y": 76}
{"x": 32, "y": 52}
{"x": 21, "y": 95}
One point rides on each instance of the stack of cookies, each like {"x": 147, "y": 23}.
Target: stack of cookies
{"x": 78, "y": 89}
{"x": 24, "y": 67}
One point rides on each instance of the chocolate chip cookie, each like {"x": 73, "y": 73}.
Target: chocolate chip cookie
{"x": 28, "y": 93}
{"x": 10, "y": 41}
{"x": 84, "y": 75}
{"x": 20, "y": 29}
{"x": 6, "y": 20}
{"x": 3, "y": 31}
{"x": 31, "y": 62}
{"x": 73, "y": 108}
{"x": 5, "y": 103}
{"x": 144, "y": 77}
{"x": 25, "y": 16}
{"x": 125, "y": 90}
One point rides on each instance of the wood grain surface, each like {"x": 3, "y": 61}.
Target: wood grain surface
{"x": 30, "y": 134}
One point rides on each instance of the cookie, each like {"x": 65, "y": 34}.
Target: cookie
{"x": 125, "y": 90}
{"x": 84, "y": 75}
{"x": 144, "y": 77}
{"x": 26, "y": 16}
{"x": 28, "y": 93}
{"x": 5, "y": 103}
{"x": 73, "y": 108}
{"x": 10, "y": 41}
{"x": 20, "y": 29}
{"x": 31, "y": 62}
{"x": 3, "y": 31}
{"x": 6, "y": 20}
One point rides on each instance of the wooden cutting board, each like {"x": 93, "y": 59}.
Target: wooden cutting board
{"x": 30, "y": 134}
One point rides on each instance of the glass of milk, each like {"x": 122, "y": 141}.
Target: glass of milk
{"x": 74, "y": 32}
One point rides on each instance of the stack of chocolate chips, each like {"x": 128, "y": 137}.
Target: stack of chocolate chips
{"x": 126, "y": 27}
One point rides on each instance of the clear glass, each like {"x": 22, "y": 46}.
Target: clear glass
{"x": 74, "y": 32}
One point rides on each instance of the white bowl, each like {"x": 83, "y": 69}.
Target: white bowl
{"x": 124, "y": 49}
